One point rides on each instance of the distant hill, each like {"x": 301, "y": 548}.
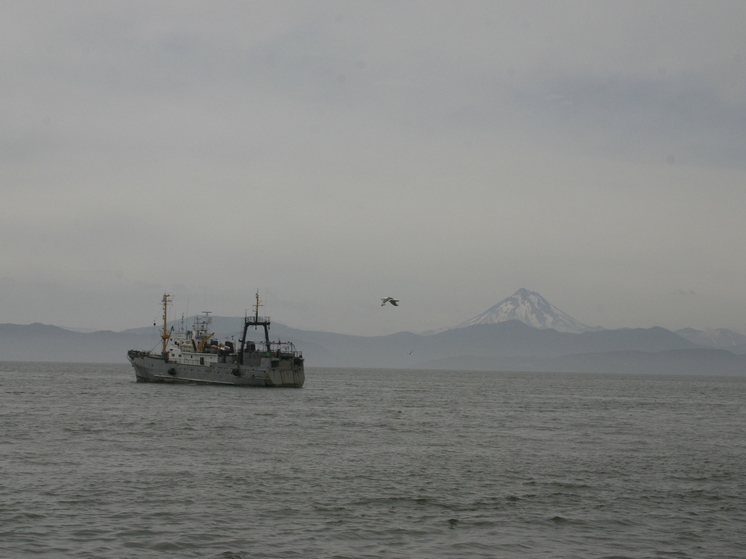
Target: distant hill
{"x": 532, "y": 309}
{"x": 41, "y": 342}
{"x": 509, "y": 345}
{"x": 721, "y": 338}
{"x": 511, "y": 339}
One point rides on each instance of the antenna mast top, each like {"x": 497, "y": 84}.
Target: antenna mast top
{"x": 165, "y": 334}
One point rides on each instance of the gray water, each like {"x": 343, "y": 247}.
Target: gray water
{"x": 371, "y": 463}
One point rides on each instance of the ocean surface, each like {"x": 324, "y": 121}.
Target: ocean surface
{"x": 371, "y": 463}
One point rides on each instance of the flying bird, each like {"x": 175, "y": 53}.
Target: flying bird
{"x": 391, "y": 300}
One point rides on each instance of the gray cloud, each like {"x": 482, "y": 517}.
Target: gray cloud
{"x": 328, "y": 153}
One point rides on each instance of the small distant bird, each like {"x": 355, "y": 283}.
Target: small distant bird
{"x": 391, "y": 300}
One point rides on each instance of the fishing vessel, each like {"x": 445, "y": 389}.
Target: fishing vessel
{"x": 195, "y": 356}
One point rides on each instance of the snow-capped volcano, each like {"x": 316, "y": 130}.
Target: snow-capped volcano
{"x": 531, "y": 308}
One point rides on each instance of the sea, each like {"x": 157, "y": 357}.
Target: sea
{"x": 364, "y": 463}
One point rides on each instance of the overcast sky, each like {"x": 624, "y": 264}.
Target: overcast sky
{"x": 330, "y": 153}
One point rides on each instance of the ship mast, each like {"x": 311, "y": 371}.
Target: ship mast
{"x": 254, "y": 321}
{"x": 264, "y": 319}
{"x": 256, "y": 307}
{"x": 165, "y": 334}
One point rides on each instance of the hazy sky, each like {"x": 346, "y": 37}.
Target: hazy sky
{"x": 330, "y": 153}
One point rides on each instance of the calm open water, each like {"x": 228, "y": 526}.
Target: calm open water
{"x": 371, "y": 463}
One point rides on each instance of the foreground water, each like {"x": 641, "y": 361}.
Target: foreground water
{"x": 371, "y": 463}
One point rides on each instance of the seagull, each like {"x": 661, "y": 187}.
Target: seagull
{"x": 391, "y": 300}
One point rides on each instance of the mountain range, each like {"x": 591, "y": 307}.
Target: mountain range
{"x": 521, "y": 333}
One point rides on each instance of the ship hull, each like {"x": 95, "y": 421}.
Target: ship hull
{"x": 149, "y": 368}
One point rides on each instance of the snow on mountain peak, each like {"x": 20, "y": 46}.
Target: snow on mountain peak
{"x": 530, "y": 308}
